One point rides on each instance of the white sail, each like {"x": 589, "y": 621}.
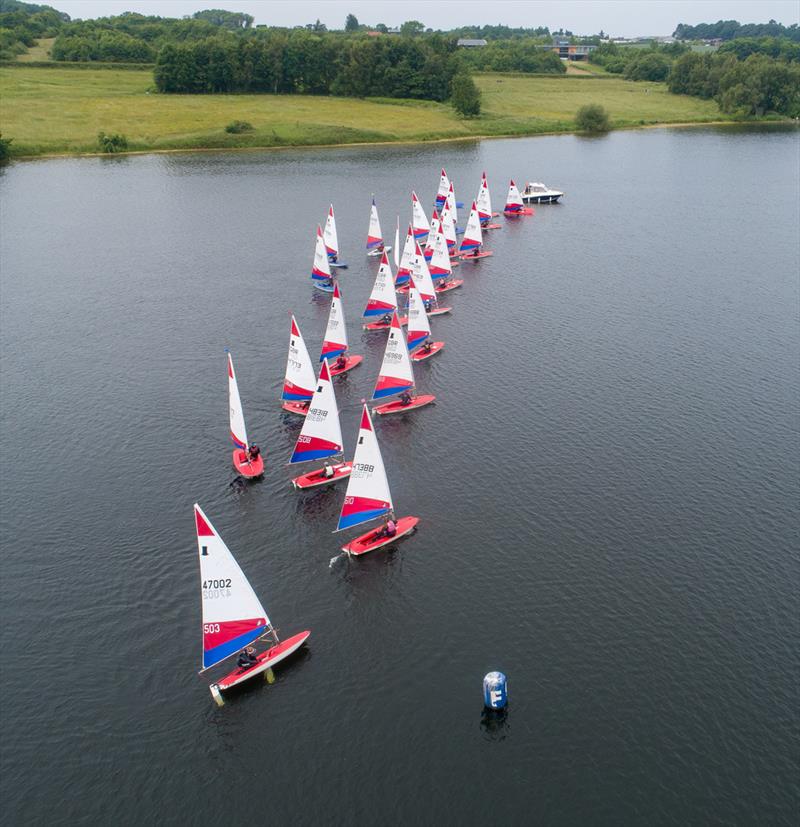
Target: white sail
{"x": 238, "y": 430}
{"x": 396, "y": 247}
{"x": 484, "y": 200}
{"x": 514, "y": 199}
{"x": 396, "y": 374}
{"x": 374, "y": 234}
{"x": 448, "y": 227}
{"x": 452, "y": 205}
{"x": 473, "y": 235}
{"x": 321, "y": 434}
{"x": 382, "y": 299}
{"x": 407, "y": 259}
{"x": 320, "y": 270}
{"x": 440, "y": 266}
{"x": 299, "y": 382}
{"x": 368, "y": 496}
{"x": 419, "y": 328}
{"x": 233, "y": 616}
{"x": 335, "y": 342}
{"x": 419, "y": 221}
{"x": 329, "y": 235}
{"x": 444, "y": 188}
{"x": 421, "y": 277}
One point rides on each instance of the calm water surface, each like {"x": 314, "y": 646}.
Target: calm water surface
{"x": 608, "y": 488}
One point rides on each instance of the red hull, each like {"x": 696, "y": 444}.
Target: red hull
{"x": 448, "y": 285}
{"x": 398, "y": 407}
{"x": 350, "y": 363}
{"x": 492, "y": 226}
{"x": 251, "y": 470}
{"x": 383, "y": 325}
{"x": 266, "y": 659}
{"x": 420, "y": 355}
{"x": 473, "y": 257}
{"x": 300, "y": 408}
{"x": 313, "y": 479}
{"x": 523, "y": 211}
{"x": 370, "y": 541}
{"x": 438, "y": 311}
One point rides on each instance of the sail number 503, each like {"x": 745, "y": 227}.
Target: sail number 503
{"x": 210, "y": 628}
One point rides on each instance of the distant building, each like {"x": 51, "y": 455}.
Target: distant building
{"x": 374, "y": 34}
{"x": 469, "y": 43}
{"x": 570, "y": 51}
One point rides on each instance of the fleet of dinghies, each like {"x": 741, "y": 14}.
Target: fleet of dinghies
{"x": 233, "y": 617}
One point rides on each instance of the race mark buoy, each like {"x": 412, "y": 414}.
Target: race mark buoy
{"x": 495, "y": 690}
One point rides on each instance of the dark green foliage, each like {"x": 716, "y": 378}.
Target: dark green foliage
{"x": 21, "y": 24}
{"x": 729, "y": 29}
{"x": 592, "y": 118}
{"x": 237, "y": 127}
{"x": 780, "y": 48}
{"x": 112, "y": 143}
{"x": 648, "y": 65}
{"x": 513, "y": 56}
{"x": 5, "y": 148}
{"x": 351, "y": 23}
{"x": 412, "y": 27}
{"x": 234, "y": 20}
{"x": 106, "y": 46}
{"x": 754, "y": 86}
{"x": 465, "y": 95}
{"x": 502, "y": 33}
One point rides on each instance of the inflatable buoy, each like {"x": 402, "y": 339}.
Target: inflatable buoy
{"x": 495, "y": 690}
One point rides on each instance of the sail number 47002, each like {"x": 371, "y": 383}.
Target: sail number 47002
{"x": 217, "y": 584}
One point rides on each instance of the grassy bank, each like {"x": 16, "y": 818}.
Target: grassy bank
{"x": 61, "y": 110}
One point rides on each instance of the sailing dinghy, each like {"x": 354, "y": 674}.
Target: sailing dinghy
{"x": 422, "y": 280}
{"x": 444, "y": 188}
{"x": 245, "y": 466}
{"x": 397, "y": 376}
{"x": 233, "y": 617}
{"x": 403, "y": 276}
{"x": 375, "y": 245}
{"x": 332, "y": 241}
{"x": 441, "y": 267}
{"x": 419, "y": 221}
{"x": 472, "y": 241}
{"x": 321, "y": 436}
{"x": 321, "y": 269}
{"x": 484, "y": 204}
{"x": 368, "y": 496}
{"x": 514, "y": 205}
{"x": 420, "y": 345}
{"x": 299, "y": 382}
{"x": 397, "y": 243}
{"x": 382, "y": 302}
{"x": 334, "y": 347}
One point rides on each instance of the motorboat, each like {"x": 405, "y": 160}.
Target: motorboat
{"x": 537, "y": 193}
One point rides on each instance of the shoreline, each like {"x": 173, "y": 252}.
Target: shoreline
{"x": 460, "y": 139}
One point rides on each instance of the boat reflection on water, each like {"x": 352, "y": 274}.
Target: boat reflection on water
{"x": 494, "y": 723}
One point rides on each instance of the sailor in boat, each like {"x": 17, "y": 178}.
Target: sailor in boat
{"x": 388, "y": 529}
{"x": 386, "y": 318}
{"x": 341, "y": 361}
{"x": 405, "y": 398}
{"x": 427, "y": 346}
{"x": 327, "y": 472}
{"x": 253, "y": 453}
{"x": 428, "y": 305}
{"x": 247, "y": 658}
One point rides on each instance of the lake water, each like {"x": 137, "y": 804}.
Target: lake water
{"x": 607, "y": 487}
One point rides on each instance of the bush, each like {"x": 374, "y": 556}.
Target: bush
{"x": 5, "y": 148}
{"x": 593, "y": 118}
{"x": 112, "y": 143}
{"x": 465, "y": 96}
{"x": 237, "y": 127}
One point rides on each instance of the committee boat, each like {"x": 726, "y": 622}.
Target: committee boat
{"x": 537, "y": 193}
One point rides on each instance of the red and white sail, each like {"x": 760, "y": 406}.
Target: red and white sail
{"x": 374, "y": 234}
{"x": 440, "y": 266}
{"x": 335, "y": 342}
{"x": 436, "y": 227}
{"x": 513, "y": 199}
{"x": 396, "y": 374}
{"x": 451, "y": 204}
{"x": 329, "y": 235}
{"x": 419, "y": 328}
{"x": 449, "y": 228}
{"x": 444, "y": 188}
{"x": 419, "y": 221}
{"x": 421, "y": 276}
{"x": 233, "y": 616}
{"x": 321, "y": 434}
{"x": 299, "y": 382}
{"x": 320, "y": 270}
{"x": 397, "y": 243}
{"x": 382, "y": 299}
{"x": 367, "y": 496}
{"x": 473, "y": 236}
{"x": 238, "y": 430}
{"x": 406, "y": 260}
{"x": 484, "y": 201}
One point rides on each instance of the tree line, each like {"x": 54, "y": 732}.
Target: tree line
{"x": 730, "y": 29}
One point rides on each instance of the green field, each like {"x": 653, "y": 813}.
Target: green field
{"x": 61, "y": 110}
